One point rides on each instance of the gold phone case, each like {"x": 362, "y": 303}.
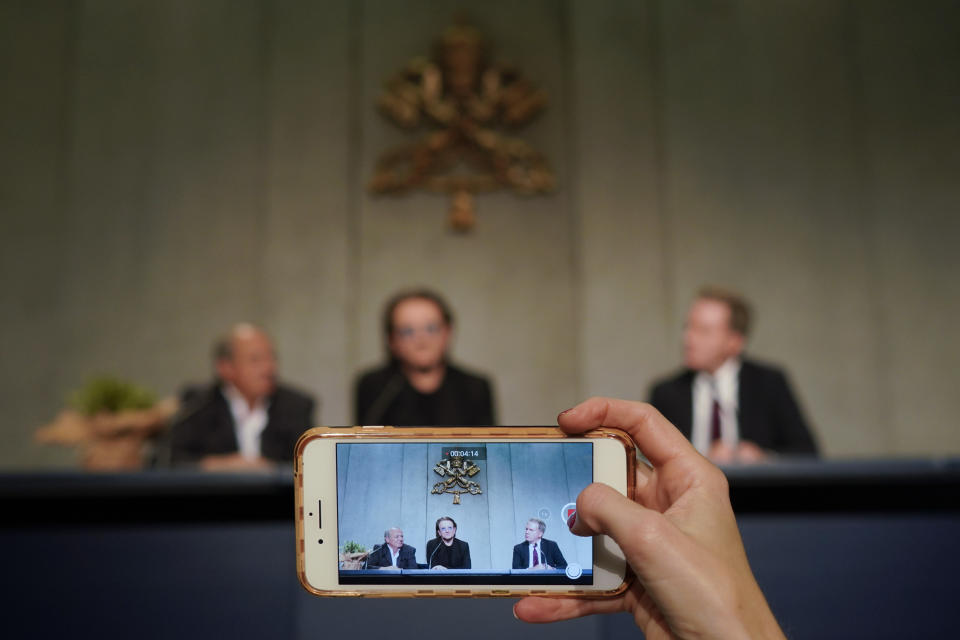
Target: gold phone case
{"x": 457, "y": 433}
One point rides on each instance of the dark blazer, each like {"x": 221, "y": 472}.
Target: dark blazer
{"x": 205, "y": 426}
{"x": 456, "y": 556}
{"x": 769, "y": 416}
{"x": 381, "y": 557}
{"x": 549, "y": 549}
{"x": 383, "y": 396}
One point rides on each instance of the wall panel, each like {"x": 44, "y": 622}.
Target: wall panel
{"x": 511, "y": 283}
{"x": 169, "y": 168}
{"x": 36, "y": 71}
{"x": 307, "y": 232}
{"x": 911, "y": 97}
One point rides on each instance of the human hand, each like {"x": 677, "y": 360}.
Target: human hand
{"x": 234, "y": 462}
{"x": 679, "y": 536}
{"x": 749, "y": 453}
{"x": 746, "y": 452}
{"x": 440, "y": 567}
{"x": 721, "y": 453}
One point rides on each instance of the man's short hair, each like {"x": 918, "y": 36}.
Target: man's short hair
{"x": 740, "y": 313}
{"x": 439, "y": 520}
{"x": 540, "y": 524}
{"x": 223, "y": 347}
{"x": 414, "y": 294}
{"x": 386, "y": 532}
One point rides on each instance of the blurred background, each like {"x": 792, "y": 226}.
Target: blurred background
{"x": 169, "y": 168}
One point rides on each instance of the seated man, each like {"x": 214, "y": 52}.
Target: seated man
{"x": 446, "y": 551}
{"x": 536, "y": 552}
{"x": 392, "y": 554}
{"x": 731, "y": 408}
{"x": 244, "y": 420}
{"x": 419, "y": 386}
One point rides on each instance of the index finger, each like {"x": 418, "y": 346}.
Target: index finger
{"x": 657, "y": 439}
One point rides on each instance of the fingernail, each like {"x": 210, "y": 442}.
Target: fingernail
{"x": 515, "y": 612}
{"x": 572, "y": 520}
{"x": 563, "y": 413}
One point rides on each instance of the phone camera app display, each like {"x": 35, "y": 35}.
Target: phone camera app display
{"x": 467, "y": 513}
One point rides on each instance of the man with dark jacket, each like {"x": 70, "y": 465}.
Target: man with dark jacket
{"x": 245, "y": 420}
{"x": 393, "y": 554}
{"x": 731, "y": 408}
{"x": 419, "y": 386}
{"x": 536, "y": 552}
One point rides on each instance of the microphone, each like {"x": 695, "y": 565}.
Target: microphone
{"x": 383, "y": 401}
{"x": 366, "y": 561}
{"x": 435, "y": 549}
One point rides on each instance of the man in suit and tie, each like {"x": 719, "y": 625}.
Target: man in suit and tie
{"x": 536, "y": 552}
{"x": 393, "y": 554}
{"x": 733, "y": 409}
{"x": 245, "y": 420}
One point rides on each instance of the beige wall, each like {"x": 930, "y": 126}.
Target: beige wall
{"x": 168, "y": 167}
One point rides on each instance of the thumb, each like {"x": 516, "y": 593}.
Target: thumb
{"x": 601, "y": 509}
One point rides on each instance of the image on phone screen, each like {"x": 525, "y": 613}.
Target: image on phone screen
{"x": 472, "y": 513}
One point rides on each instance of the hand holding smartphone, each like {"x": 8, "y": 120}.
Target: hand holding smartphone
{"x": 414, "y": 512}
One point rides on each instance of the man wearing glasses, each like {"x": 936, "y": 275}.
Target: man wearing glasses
{"x": 419, "y": 386}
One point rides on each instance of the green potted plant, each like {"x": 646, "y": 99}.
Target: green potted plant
{"x": 110, "y": 420}
{"x": 353, "y": 555}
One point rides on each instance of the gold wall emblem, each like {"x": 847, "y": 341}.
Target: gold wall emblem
{"x": 466, "y": 99}
{"x": 456, "y": 472}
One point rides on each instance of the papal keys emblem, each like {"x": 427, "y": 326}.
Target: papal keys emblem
{"x": 456, "y": 472}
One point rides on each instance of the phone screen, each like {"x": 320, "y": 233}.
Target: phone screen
{"x": 472, "y": 513}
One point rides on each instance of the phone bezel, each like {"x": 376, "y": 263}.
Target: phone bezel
{"x": 604, "y": 547}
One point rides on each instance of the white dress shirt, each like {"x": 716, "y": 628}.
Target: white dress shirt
{"x": 724, "y": 387}
{"x": 394, "y": 556}
{"x": 248, "y": 424}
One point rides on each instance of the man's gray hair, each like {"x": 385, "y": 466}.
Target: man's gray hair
{"x": 223, "y": 347}
{"x": 540, "y": 523}
{"x": 386, "y": 532}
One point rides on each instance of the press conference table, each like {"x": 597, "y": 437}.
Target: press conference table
{"x": 450, "y": 572}
{"x": 842, "y": 549}
{"x": 477, "y": 577}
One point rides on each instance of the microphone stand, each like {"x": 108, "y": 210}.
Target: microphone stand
{"x": 435, "y": 549}
{"x": 383, "y": 401}
{"x": 366, "y": 561}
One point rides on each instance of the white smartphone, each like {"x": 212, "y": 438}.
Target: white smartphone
{"x": 434, "y": 511}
